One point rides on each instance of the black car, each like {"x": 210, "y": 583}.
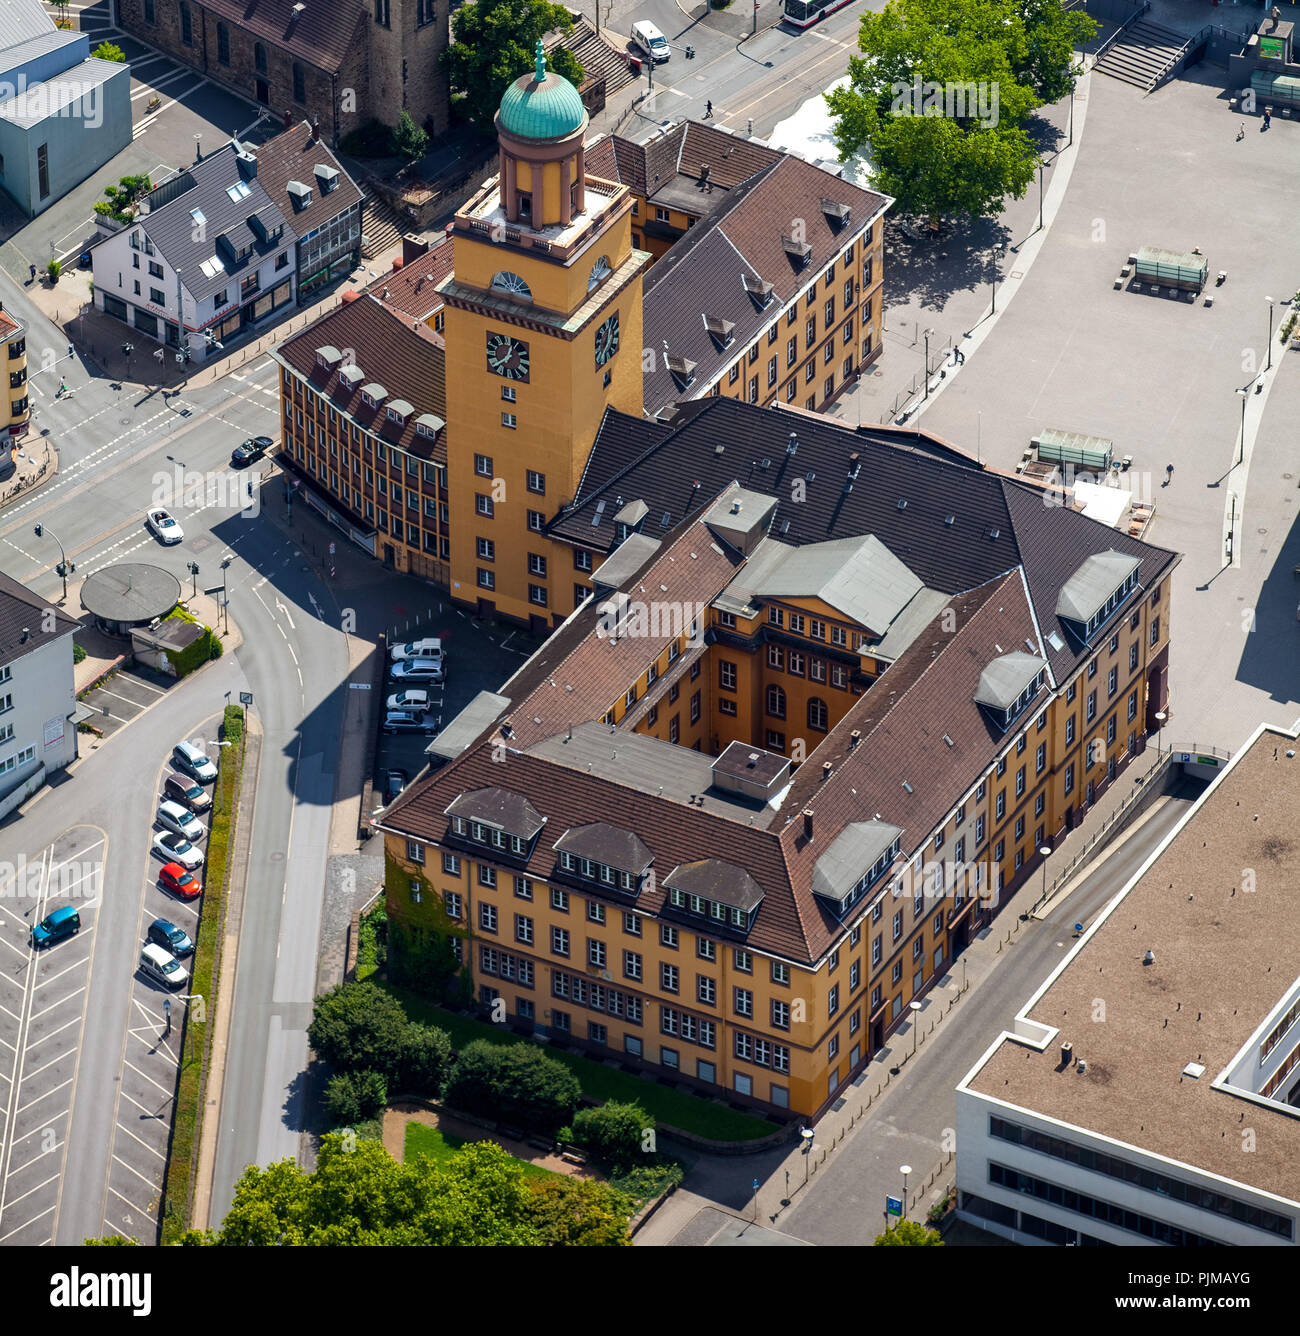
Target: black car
{"x": 164, "y": 933}
{"x": 252, "y": 449}
{"x": 394, "y": 783}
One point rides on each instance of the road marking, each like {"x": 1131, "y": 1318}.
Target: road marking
{"x": 32, "y": 1103}
{"x": 37, "y": 1188}
{"x": 153, "y": 1150}
{"x": 148, "y": 1078}
{"x": 136, "y": 1172}
{"x": 287, "y": 617}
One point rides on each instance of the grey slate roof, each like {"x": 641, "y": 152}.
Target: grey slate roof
{"x": 614, "y": 846}
{"x": 171, "y": 228}
{"x": 714, "y": 879}
{"x": 1002, "y": 682}
{"x": 852, "y": 853}
{"x": 500, "y": 809}
{"x": 22, "y": 20}
{"x": 21, "y": 610}
{"x": 628, "y": 558}
{"x": 1093, "y": 583}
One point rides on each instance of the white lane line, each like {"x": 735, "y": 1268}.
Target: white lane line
{"x": 32, "y": 1103}
{"x": 37, "y": 1015}
{"x": 148, "y": 1078}
{"x": 136, "y": 1172}
{"x": 151, "y": 1149}
{"x": 149, "y": 1113}
{"x": 52, "y": 1061}
{"x": 37, "y": 1188}
{"x": 24, "y": 1225}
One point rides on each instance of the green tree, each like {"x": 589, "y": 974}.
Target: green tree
{"x": 359, "y": 1027}
{"x": 493, "y": 43}
{"x": 426, "y": 1059}
{"x": 614, "y": 1133}
{"x": 516, "y": 1083}
{"x": 363, "y": 1197}
{"x": 111, "y": 1241}
{"x": 107, "y": 51}
{"x": 409, "y": 141}
{"x": 909, "y": 1234}
{"x": 354, "y": 1097}
{"x": 940, "y": 98}
{"x": 573, "y": 1214}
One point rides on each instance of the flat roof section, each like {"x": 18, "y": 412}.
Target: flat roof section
{"x": 1224, "y": 956}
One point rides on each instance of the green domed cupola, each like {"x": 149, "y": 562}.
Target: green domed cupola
{"x": 542, "y": 105}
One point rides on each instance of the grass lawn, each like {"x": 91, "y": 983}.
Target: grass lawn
{"x": 673, "y": 1107}
{"x": 421, "y": 1139}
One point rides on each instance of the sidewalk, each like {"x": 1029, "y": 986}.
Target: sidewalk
{"x": 36, "y": 462}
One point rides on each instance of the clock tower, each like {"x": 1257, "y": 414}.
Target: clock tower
{"x": 543, "y": 331}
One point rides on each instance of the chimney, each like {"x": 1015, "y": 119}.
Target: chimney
{"x": 413, "y": 246}
{"x": 854, "y": 738}
{"x": 1067, "y": 1052}
{"x": 807, "y": 823}
{"x": 287, "y": 120}
{"x": 826, "y": 769}
{"x": 26, "y": 636}
{"x": 315, "y": 130}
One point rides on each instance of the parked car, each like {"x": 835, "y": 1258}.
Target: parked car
{"x": 55, "y": 926}
{"x": 164, "y": 933}
{"x": 418, "y": 670}
{"x": 410, "y": 721}
{"x": 173, "y": 848}
{"x": 193, "y": 761}
{"x": 650, "y": 40}
{"x": 252, "y": 449}
{"x": 394, "y": 782}
{"x": 164, "y": 526}
{"x": 180, "y": 820}
{"x": 188, "y": 792}
{"x": 412, "y": 698}
{"x": 180, "y": 881}
{"x": 163, "y": 967}
{"x": 428, "y": 648}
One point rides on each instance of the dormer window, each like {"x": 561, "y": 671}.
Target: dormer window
{"x": 1009, "y": 684}
{"x": 722, "y": 332}
{"x": 873, "y": 844}
{"x": 681, "y": 370}
{"x": 759, "y": 289}
{"x": 1090, "y": 596}
{"x": 497, "y": 819}
{"x": 800, "y": 252}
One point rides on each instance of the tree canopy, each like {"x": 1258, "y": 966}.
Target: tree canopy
{"x": 363, "y": 1197}
{"x": 909, "y": 1234}
{"x": 941, "y": 96}
{"x": 493, "y": 43}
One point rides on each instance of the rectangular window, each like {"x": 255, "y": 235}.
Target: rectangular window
{"x": 487, "y": 917}
{"x": 560, "y": 941}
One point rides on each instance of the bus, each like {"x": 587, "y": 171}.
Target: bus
{"x": 804, "y": 13}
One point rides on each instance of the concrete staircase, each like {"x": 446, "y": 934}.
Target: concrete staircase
{"x": 1142, "y": 54}
{"x": 595, "y": 54}
{"x": 381, "y": 227}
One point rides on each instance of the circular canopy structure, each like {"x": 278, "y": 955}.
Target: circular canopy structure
{"x": 129, "y": 595}
{"x": 541, "y": 105}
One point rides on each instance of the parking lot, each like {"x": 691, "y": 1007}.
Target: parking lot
{"x": 128, "y": 693}
{"x": 42, "y": 1012}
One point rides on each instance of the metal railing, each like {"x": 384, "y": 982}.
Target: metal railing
{"x": 1121, "y": 30}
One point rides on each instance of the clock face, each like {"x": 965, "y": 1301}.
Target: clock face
{"x": 507, "y": 356}
{"x": 607, "y": 340}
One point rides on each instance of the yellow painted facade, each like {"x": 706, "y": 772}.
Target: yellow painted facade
{"x": 16, "y": 414}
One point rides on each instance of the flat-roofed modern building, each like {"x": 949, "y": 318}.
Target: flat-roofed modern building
{"x": 1140, "y": 1097}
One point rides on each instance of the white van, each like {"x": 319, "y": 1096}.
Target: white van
{"x": 651, "y": 41}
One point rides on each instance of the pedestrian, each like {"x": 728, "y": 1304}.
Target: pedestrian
{"x": 1169, "y": 470}
{"x": 1241, "y": 133}
{"x": 1268, "y": 117}
{"x": 708, "y": 115}
{"x": 32, "y": 267}
{"x": 63, "y": 385}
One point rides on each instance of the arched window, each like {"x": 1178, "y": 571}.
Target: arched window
{"x": 776, "y": 702}
{"x": 600, "y": 271}
{"x": 512, "y": 285}
{"x": 817, "y": 714}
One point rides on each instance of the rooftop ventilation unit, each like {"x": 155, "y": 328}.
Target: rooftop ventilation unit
{"x": 792, "y": 444}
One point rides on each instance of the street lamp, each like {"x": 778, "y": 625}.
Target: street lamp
{"x": 914, "y": 1007}
{"x": 1269, "y": 362}
{"x": 193, "y": 568}
{"x": 65, "y": 567}
{"x": 904, "y": 1169}
{"x": 1161, "y": 716}
{"x": 1244, "y": 395}
{"x": 221, "y": 774}
{"x": 926, "y": 336}
{"x": 225, "y": 598}
{"x": 807, "y": 1134}
{"x": 1040, "y": 191}
{"x": 1046, "y": 852}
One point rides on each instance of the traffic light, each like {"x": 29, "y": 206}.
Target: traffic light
{"x": 69, "y": 350}
{"x": 39, "y": 531}
{"x": 127, "y": 349}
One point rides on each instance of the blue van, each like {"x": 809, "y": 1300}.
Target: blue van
{"x": 56, "y": 926}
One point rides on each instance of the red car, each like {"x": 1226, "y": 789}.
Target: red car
{"x": 180, "y": 881}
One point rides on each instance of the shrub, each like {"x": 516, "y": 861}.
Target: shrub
{"x": 232, "y": 723}
{"x": 909, "y": 1234}
{"x": 425, "y": 1059}
{"x": 358, "y": 1027}
{"x": 516, "y": 1083}
{"x": 613, "y": 1133}
{"x": 54, "y": 269}
{"x": 353, "y": 1097}
{"x": 409, "y": 141}
{"x": 372, "y": 945}
{"x": 107, "y": 51}
{"x": 78, "y": 653}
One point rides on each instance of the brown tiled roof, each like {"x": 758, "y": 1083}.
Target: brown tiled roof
{"x": 730, "y": 159}
{"x": 401, "y": 353}
{"x": 8, "y": 325}
{"x": 413, "y": 289}
{"x": 290, "y": 157}
{"x": 679, "y": 152}
{"x": 322, "y": 34}
{"x": 21, "y": 610}
{"x": 596, "y": 670}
